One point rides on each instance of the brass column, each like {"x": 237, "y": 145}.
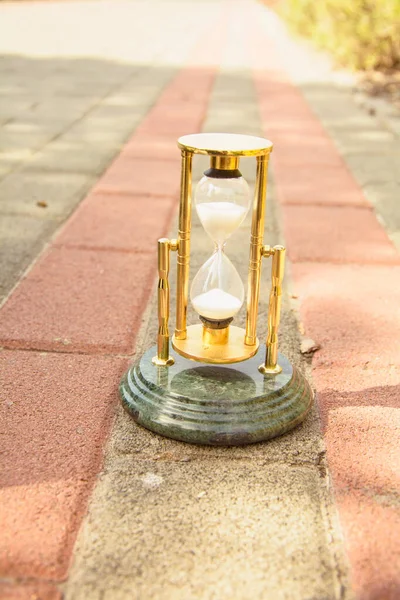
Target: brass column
{"x": 183, "y": 257}
{"x": 256, "y": 245}
{"x": 163, "y": 358}
{"x": 274, "y": 312}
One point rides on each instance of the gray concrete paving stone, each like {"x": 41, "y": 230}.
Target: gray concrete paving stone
{"x": 385, "y": 198}
{"x": 21, "y": 191}
{"x": 73, "y": 156}
{"x": 386, "y": 167}
{"x": 52, "y": 108}
{"x": 16, "y": 144}
{"x": 21, "y": 237}
{"x": 6, "y": 167}
{"x": 215, "y": 530}
{"x": 98, "y": 132}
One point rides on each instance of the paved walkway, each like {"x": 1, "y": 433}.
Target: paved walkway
{"x": 92, "y": 505}
{"x": 74, "y": 83}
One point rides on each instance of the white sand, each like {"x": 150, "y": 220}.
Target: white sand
{"x": 220, "y": 219}
{"x": 216, "y": 304}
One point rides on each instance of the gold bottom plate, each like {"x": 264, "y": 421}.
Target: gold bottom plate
{"x": 194, "y": 348}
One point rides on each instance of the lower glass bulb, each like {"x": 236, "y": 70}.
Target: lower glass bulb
{"x": 217, "y": 291}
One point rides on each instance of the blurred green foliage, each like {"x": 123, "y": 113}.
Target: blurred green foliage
{"x": 362, "y": 34}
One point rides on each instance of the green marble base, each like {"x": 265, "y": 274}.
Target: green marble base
{"x": 225, "y": 405}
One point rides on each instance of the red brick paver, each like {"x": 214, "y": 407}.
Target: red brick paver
{"x": 56, "y": 411}
{"x": 336, "y": 234}
{"x": 352, "y": 310}
{"x": 150, "y": 145}
{"x": 111, "y": 223}
{"x": 371, "y": 525}
{"x": 79, "y": 300}
{"x": 145, "y": 177}
{"x": 29, "y": 591}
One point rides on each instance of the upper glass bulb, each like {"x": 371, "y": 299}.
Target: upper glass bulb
{"x": 222, "y": 205}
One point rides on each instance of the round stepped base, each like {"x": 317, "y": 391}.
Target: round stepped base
{"x": 225, "y": 405}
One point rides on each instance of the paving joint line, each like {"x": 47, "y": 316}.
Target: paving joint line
{"x": 47, "y": 218}
{"x": 111, "y": 249}
{"x": 302, "y": 464}
{"x": 367, "y": 207}
{"x": 6, "y": 348}
{"x": 338, "y": 262}
{"x": 115, "y": 192}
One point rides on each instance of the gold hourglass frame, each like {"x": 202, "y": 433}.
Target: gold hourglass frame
{"x": 199, "y": 342}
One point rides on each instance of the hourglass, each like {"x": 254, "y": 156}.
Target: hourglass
{"x": 222, "y": 200}
{"x": 215, "y": 385}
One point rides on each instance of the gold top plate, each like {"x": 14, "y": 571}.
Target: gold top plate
{"x": 223, "y": 144}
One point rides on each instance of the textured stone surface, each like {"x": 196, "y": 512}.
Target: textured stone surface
{"x": 66, "y": 108}
{"x": 73, "y": 156}
{"x": 373, "y": 556}
{"x": 21, "y": 237}
{"x": 139, "y": 176}
{"x": 309, "y": 185}
{"x": 21, "y": 192}
{"x": 104, "y": 291}
{"x": 111, "y": 222}
{"x": 345, "y": 310}
{"x": 369, "y": 429}
{"x": 56, "y": 412}
{"x": 336, "y": 234}
{"x": 29, "y": 591}
{"x": 180, "y": 528}
{"x": 150, "y": 145}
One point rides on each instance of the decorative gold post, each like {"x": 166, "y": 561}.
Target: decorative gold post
{"x": 256, "y": 244}
{"x": 274, "y": 313}
{"x": 163, "y": 358}
{"x": 185, "y": 211}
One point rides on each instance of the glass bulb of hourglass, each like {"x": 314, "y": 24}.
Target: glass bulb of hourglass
{"x": 217, "y": 292}
{"x": 222, "y": 205}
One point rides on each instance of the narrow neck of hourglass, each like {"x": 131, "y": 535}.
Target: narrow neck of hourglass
{"x": 219, "y": 247}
